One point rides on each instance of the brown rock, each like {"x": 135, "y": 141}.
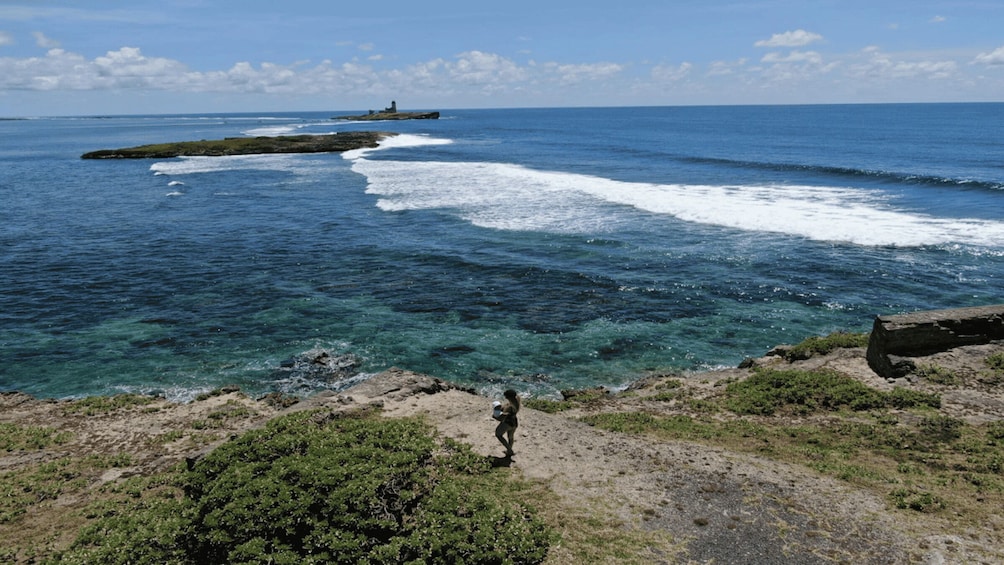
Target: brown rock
{"x": 895, "y": 339}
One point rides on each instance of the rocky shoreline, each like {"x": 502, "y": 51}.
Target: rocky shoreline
{"x": 705, "y": 503}
{"x": 336, "y": 143}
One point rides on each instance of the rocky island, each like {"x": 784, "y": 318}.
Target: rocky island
{"x": 344, "y": 141}
{"x": 391, "y": 113}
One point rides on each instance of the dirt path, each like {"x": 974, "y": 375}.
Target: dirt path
{"x": 718, "y": 507}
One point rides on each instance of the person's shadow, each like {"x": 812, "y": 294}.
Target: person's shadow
{"x": 500, "y": 461}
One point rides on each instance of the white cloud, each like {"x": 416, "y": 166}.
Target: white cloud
{"x": 993, "y": 58}
{"x": 797, "y": 57}
{"x": 938, "y": 19}
{"x": 44, "y": 42}
{"x": 666, "y": 73}
{"x": 797, "y": 38}
{"x": 6, "y": 38}
{"x": 723, "y": 68}
{"x": 482, "y": 76}
{"x": 574, "y": 74}
{"x": 486, "y": 70}
{"x": 878, "y": 65}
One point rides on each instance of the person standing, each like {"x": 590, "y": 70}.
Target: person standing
{"x": 508, "y": 422}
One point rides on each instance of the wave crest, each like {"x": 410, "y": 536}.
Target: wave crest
{"x": 512, "y": 197}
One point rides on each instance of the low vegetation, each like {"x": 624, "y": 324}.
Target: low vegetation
{"x": 245, "y": 146}
{"x": 21, "y": 490}
{"x": 96, "y": 405}
{"x": 994, "y": 374}
{"x": 896, "y": 443}
{"x": 26, "y": 438}
{"x": 817, "y": 345}
{"x": 316, "y": 487}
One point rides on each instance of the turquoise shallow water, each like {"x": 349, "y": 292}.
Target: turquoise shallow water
{"x": 541, "y": 249}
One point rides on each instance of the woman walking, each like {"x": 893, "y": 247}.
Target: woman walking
{"x": 508, "y": 421}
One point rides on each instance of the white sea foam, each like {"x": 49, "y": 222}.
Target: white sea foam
{"x": 512, "y": 197}
{"x": 289, "y": 162}
{"x": 272, "y": 131}
{"x": 396, "y": 141}
{"x": 175, "y": 183}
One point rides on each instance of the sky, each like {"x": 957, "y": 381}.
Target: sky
{"x": 97, "y": 57}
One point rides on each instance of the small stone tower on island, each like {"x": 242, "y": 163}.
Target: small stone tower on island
{"x": 392, "y": 109}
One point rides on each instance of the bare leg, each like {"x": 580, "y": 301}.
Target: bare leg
{"x": 500, "y": 432}
{"x": 510, "y": 432}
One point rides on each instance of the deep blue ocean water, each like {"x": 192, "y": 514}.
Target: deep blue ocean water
{"x": 536, "y": 248}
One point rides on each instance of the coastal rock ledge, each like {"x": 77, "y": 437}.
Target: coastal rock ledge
{"x": 344, "y": 141}
{"x": 895, "y": 339}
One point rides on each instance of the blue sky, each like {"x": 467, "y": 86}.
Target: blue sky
{"x": 138, "y": 56}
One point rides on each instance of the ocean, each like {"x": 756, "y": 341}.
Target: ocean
{"x": 539, "y": 249}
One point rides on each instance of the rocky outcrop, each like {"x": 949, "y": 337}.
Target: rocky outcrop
{"x": 391, "y": 116}
{"x": 318, "y": 365}
{"x": 896, "y": 339}
{"x": 344, "y": 141}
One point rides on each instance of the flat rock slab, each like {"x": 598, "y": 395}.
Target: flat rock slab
{"x": 894, "y": 339}
{"x": 344, "y": 141}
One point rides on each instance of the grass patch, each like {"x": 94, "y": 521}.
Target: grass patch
{"x": 548, "y": 405}
{"x": 770, "y": 391}
{"x": 822, "y": 345}
{"x": 41, "y": 484}
{"x": 937, "y": 374}
{"x": 994, "y": 374}
{"x": 29, "y": 438}
{"x": 572, "y": 399}
{"x": 96, "y": 405}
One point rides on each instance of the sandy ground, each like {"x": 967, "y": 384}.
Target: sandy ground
{"x": 716, "y": 506}
{"x": 720, "y": 507}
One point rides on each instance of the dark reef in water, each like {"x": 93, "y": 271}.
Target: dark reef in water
{"x": 344, "y": 141}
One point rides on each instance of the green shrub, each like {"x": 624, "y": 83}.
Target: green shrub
{"x": 995, "y": 431}
{"x": 315, "y": 487}
{"x": 822, "y": 345}
{"x": 900, "y": 397}
{"x": 547, "y": 405}
{"x": 994, "y": 375}
{"x": 995, "y": 361}
{"x": 768, "y": 390}
{"x": 916, "y": 500}
{"x": 938, "y": 374}
{"x": 941, "y": 428}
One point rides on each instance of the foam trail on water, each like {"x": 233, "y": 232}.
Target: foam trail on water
{"x": 289, "y": 162}
{"x": 272, "y": 131}
{"x": 512, "y": 197}
{"x": 396, "y": 141}
{"x": 289, "y": 129}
